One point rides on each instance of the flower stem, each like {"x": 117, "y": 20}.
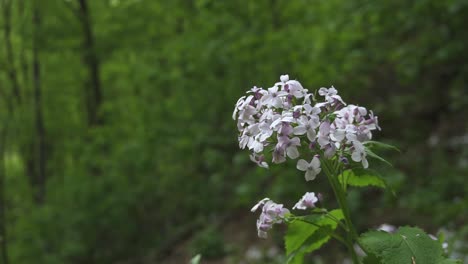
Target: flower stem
{"x": 335, "y": 236}
{"x": 351, "y": 234}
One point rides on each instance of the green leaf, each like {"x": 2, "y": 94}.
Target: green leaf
{"x": 309, "y": 234}
{"x": 375, "y": 156}
{"x": 371, "y": 259}
{"x": 381, "y": 145}
{"x": 409, "y": 245}
{"x": 362, "y": 177}
{"x": 313, "y": 242}
{"x": 450, "y": 261}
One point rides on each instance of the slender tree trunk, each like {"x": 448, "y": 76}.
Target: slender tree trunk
{"x": 39, "y": 120}
{"x": 24, "y": 36}
{"x": 12, "y": 73}
{"x": 94, "y": 92}
{"x": 3, "y": 229}
{"x": 275, "y": 14}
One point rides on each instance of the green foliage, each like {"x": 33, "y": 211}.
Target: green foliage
{"x": 408, "y": 245}
{"x": 209, "y": 243}
{"x": 371, "y": 259}
{"x": 359, "y": 177}
{"x": 309, "y": 234}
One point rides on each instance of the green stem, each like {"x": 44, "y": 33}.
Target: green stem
{"x": 335, "y": 236}
{"x": 331, "y": 217}
{"x": 351, "y": 234}
{"x": 337, "y": 221}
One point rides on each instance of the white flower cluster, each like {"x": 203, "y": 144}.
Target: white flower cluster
{"x": 285, "y": 121}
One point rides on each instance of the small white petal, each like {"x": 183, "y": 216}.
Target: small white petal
{"x": 311, "y": 134}
{"x": 299, "y": 206}
{"x": 356, "y": 156}
{"x": 315, "y": 163}
{"x": 295, "y": 141}
{"x": 300, "y": 130}
{"x": 261, "y": 202}
{"x": 263, "y": 164}
{"x": 277, "y": 102}
{"x": 351, "y": 137}
{"x": 273, "y": 89}
{"x": 323, "y": 91}
{"x": 302, "y": 165}
{"x": 358, "y": 146}
{"x": 284, "y": 78}
{"x": 338, "y": 135}
{"x": 323, "y": 141}
{"x": 310, "y": 175}
{"x": 365, "y": 163}
{"x": 317, "y": 171}
{"x": 329, "y": 151}
{"x": 292, "y": 152}
{"x": 362, "y": 110}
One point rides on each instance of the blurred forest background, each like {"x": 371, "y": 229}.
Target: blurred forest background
{"x": 117, "y": 143}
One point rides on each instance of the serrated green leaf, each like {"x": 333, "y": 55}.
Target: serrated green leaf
{"x": 309, "y": 234}
{"x": 409, "y": 245}
{"x": 362, "y": 177}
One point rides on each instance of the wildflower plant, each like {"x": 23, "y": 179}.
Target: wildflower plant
{"x": 326, "y": 137}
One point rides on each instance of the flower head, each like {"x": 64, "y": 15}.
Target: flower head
{"x": 275, "y": 123}
{"x": 272, "y": 213}
{"x": 307, "y": 201}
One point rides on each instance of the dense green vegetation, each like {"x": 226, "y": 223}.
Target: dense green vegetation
{"x": 116, "y": 137}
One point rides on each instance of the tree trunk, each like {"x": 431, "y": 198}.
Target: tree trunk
{"x": 39, "y": 120}
{"x": 3, "y": 229}
{"x": 12, "y": 73}
{"x": 93, "y": 87}
{"x": 24, "y": 36}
